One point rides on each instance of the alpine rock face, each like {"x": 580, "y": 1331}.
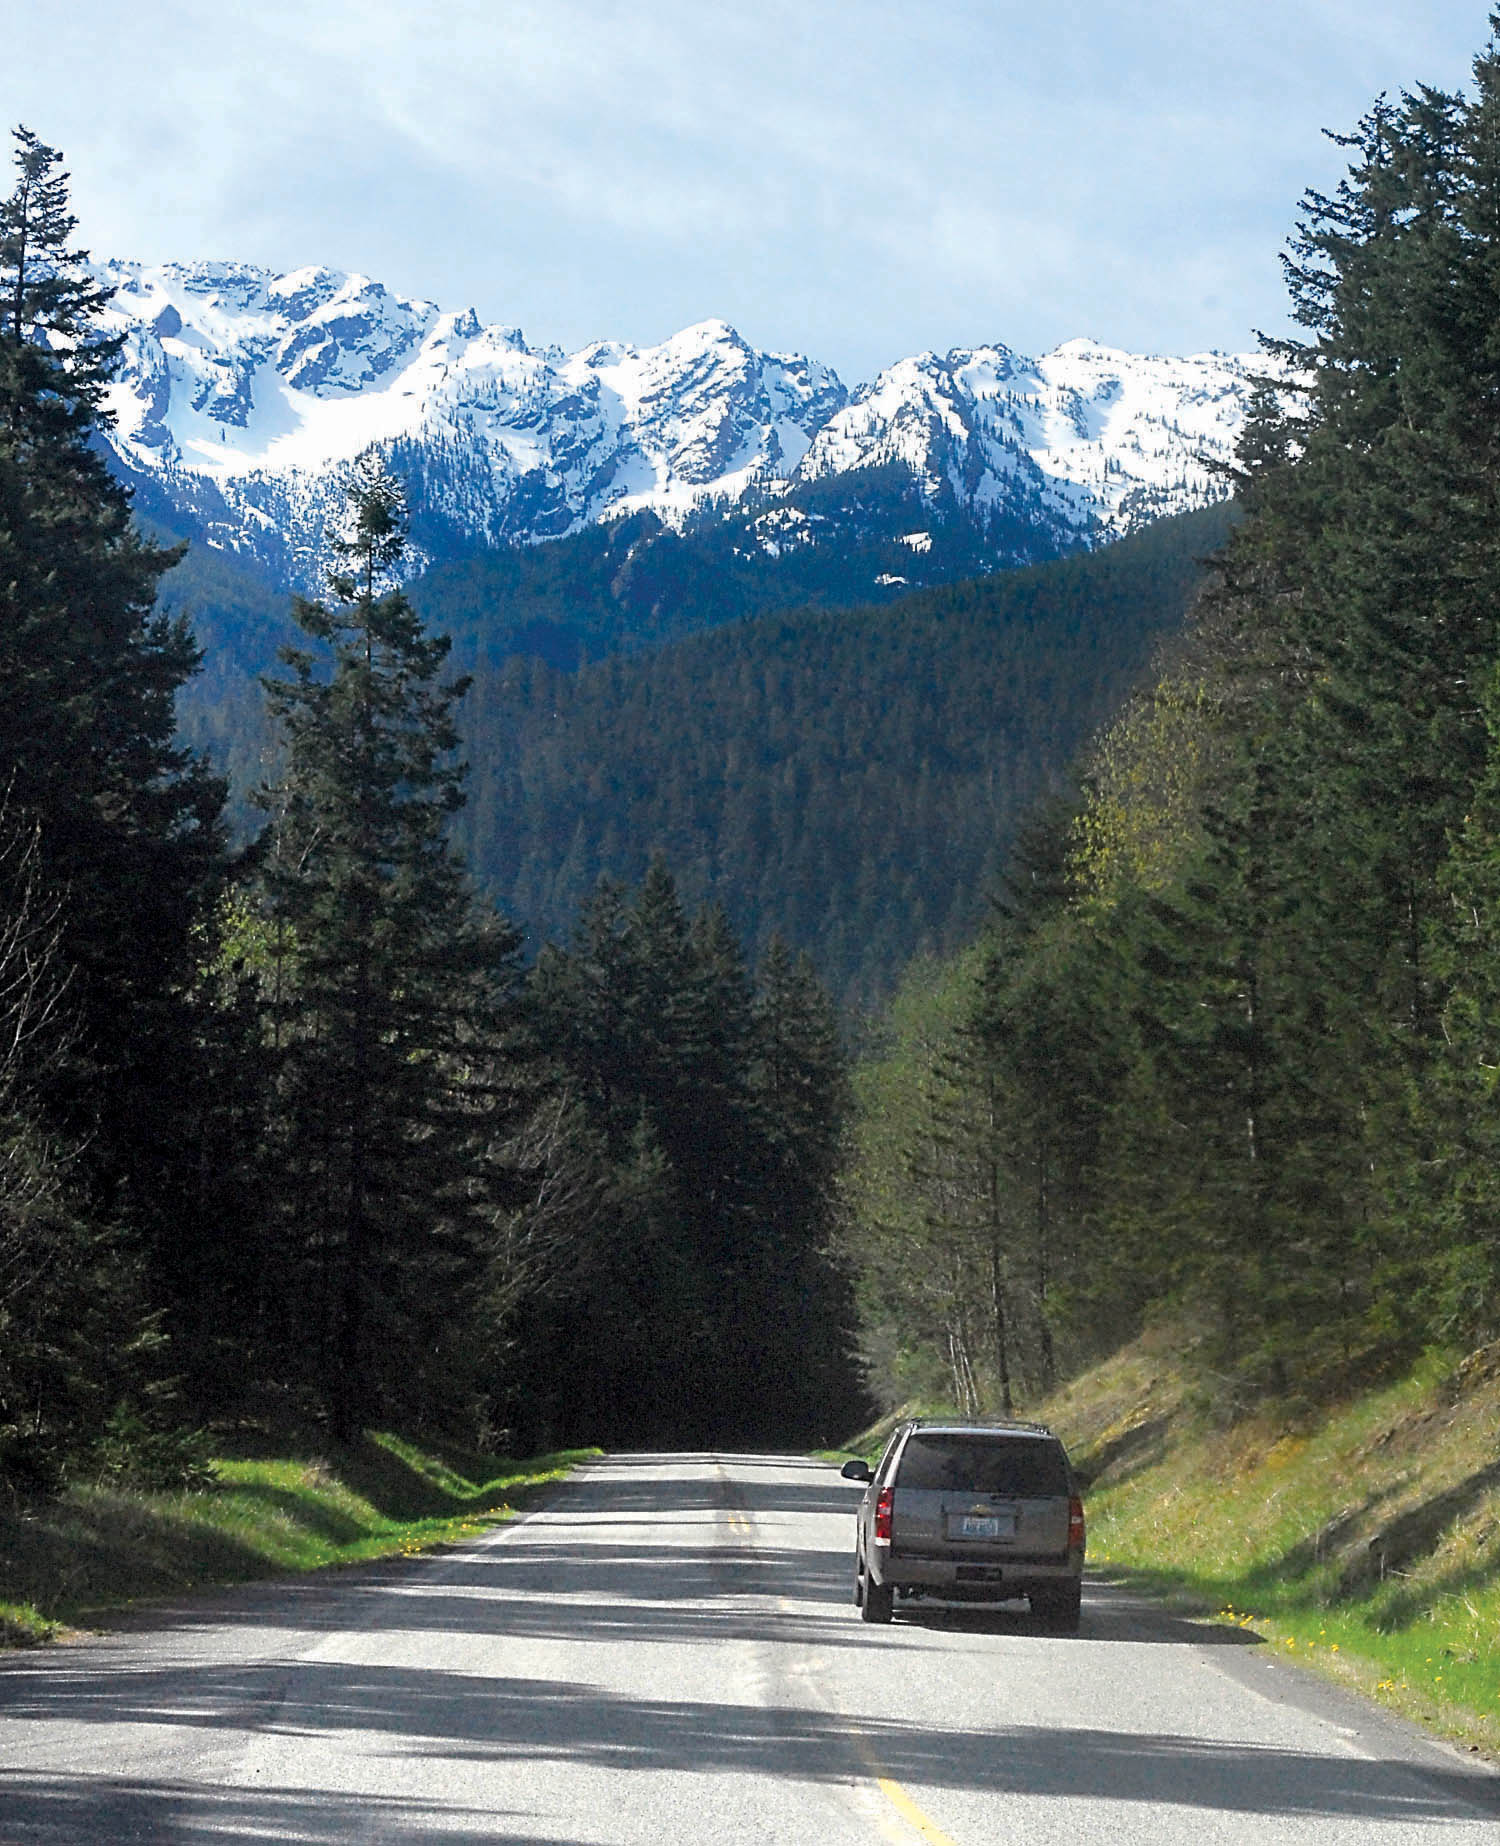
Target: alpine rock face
{"x": 244, "y": 397}
{"x": 1104, "y": 440}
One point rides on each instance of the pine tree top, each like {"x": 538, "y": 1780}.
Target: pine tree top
{"x": 55, "y": 364}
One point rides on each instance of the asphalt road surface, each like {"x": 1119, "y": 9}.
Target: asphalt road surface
{"x": 668, "y": 1653}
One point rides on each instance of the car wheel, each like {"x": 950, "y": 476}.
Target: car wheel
{"x": 1059, "y": 1609}
{"x": 859, "y": 1581}
{"x": 879, "y": 1601}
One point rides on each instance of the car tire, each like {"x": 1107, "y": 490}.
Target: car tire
{"x": 859, "y": 1581}
{"x": 1060, "y": 1610}
{"x": 879, "y": 1601}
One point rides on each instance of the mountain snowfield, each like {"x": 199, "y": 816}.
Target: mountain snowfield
{"x": 244, "y": 396}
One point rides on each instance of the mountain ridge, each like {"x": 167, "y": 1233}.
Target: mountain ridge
{"x": 245, "y": 395}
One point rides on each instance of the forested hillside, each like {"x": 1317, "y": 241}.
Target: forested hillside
{"x": 622, "y": 586}
{"x": 1231, "y": 1046}
{"x": 846, "y": 777}
{"x": 849, "y": 781}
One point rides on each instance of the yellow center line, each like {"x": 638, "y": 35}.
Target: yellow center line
{"x": 911, "y": 1813}
{"x": 915, "y": 1817}
{"x": 920, "y": 1822}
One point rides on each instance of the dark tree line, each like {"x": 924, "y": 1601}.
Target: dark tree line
{"x": 712, "y": 1103}
{"x": 111, "y": 846}
{"x": 1239, "y": 1031}
{"x": 287, "y": 1134}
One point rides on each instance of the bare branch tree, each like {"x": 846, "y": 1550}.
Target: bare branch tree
{"x": 565, "y": 1200}
{"x": 34, "y": 1037}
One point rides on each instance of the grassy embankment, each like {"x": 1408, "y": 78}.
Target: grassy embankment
{"x": 1362, "y": 1539}
{"x": 67, "y": 1560}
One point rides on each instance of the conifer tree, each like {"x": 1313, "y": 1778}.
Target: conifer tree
{"x": 58, "y": 363}
{"x": 127, "y": 821}
{"x": 1452, "y": 1275}
{"x": 394, "y": 991}
{"x": 87, "y": 671}
{"x": 1360, "y": 600}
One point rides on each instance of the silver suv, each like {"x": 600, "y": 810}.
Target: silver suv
{"x": 970, "y": 1512}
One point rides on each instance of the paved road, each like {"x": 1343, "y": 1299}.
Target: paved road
{"x": 668, "y": 1654}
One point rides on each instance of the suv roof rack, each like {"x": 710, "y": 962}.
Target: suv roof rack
{"x": 957, "y": 1422}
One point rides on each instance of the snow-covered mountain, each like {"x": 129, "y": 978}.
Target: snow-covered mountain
{"x": 244, "y": 396}
{"x": 1101, "y": 436}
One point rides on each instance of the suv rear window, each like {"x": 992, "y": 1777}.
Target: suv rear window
{"x": 1030, "y": 1468}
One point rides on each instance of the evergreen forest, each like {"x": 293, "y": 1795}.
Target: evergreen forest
{"x": 848, "y": 781}
{"x": 1227, "y": 1044}
{"x": 1158, "y": 890}
{"x": 846, "y": 775}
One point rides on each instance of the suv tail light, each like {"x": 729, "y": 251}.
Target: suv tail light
{"x": 1075, "y": 1524}
{"x": 884, "y": 1501}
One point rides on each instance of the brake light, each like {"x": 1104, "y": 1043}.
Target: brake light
{"x": 884, "y": 1501}
{"x": 1075, "y": 1524}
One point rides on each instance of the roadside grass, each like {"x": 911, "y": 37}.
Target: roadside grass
{"x": 97, "y": 1548}
{"x": 1362, "y": 1540}
{"x": 21, "y": 1626}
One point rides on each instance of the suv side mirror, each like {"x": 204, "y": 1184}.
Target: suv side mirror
{"x": 856, "y": 1471}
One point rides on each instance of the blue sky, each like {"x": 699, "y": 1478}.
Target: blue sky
{"x": 857, "y": 181}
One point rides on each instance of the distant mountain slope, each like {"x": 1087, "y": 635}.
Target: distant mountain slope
{"x": 850, "y": 780}
{"x": 244, "y": 397}
{"x": 636, "y": 581}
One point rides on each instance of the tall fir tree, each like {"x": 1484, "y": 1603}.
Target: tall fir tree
{"x": 128, "y": 838}
{"x": 88, "y": 670}
{"x": 1361, "y": 599}
{"x": 391, "y": 994}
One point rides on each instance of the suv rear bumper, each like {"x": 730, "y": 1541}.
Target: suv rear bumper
{"x": 990, "y": 1581}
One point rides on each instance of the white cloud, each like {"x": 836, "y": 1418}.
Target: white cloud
{"x": 855, "y": 179}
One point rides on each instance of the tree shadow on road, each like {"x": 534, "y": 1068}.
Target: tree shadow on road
{"x": 429, "y": 1713}
{"x": 75, "y": 1810}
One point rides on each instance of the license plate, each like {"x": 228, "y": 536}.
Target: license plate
{"x": 975, "y": 1525}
